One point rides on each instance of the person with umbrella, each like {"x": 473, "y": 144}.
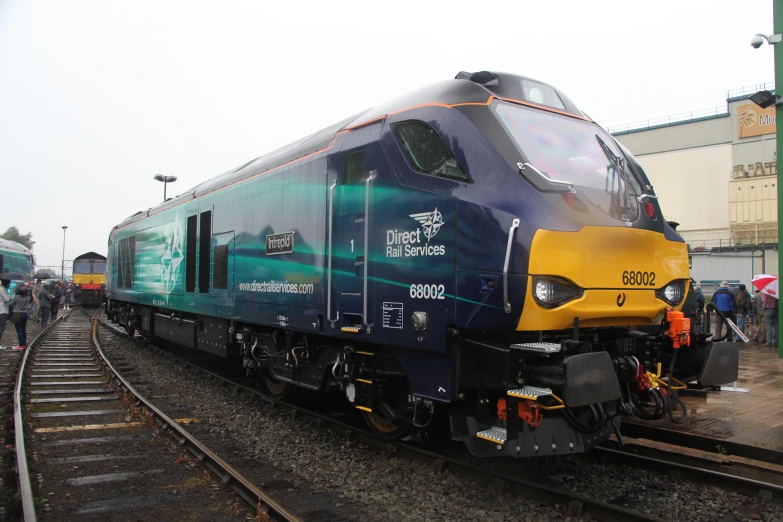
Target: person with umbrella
{"x": 760, "y": 335}
{"x": 58, "y": 295}
{"x": 45, "y": 297}
{"x": 771, "y": 317}
{"x": 12, "y": 277}
{"x": 769, "y": 286}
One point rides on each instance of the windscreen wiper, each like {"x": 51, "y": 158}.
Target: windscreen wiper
{"x": 622, "y": 161}
{"x": 557, "y": 184}
{"x": 612, "y": 157}
{"x": 620, "y": 164}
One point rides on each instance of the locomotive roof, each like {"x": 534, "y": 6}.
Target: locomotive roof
{"x": 13, "y": 246}
{"x": 467, "y": 88}
{"x": 90, "y": 255}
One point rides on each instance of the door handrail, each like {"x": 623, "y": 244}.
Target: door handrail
{"x": 329, "y": 257}
{"x": 506, "y": 304}
{"x": 366, "y": 247}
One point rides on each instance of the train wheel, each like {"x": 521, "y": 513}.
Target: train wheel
{"x": 383, "y": 427}
{"x": 275, "y": 387}
{"x": 130, "y": 330}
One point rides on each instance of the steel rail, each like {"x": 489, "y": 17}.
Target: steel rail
{"x": 733, "y": 481}
{"x": 701, "y": 442}
{"x": 25, "y": 486}
{"x": 578, "y": 506}
{"x": 229, "y": 476}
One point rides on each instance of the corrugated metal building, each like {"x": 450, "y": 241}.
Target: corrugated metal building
{"x": 740, "y": 266}
{"x": 714, "y": 170}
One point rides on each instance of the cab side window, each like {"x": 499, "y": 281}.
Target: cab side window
{"x": 353, "y": 168}
{"x": 426, "y": 150}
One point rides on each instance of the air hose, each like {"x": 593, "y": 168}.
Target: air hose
{"x": 642, "y": 409}
{"x": 597, "y": 419}
{"x": 673, "y": 398}
{"x": 575, "y": 423}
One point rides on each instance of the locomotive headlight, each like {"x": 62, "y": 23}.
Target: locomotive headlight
{"x": 672, "y": 293}
{"x": 551, "y": 292}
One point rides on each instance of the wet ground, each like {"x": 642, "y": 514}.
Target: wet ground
{"x": 10, "y": 339}
{"x": 754, "y": 417}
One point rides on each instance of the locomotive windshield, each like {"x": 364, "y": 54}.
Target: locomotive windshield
{"x": 89, "y": 267}
{"x": 578, "y": 152}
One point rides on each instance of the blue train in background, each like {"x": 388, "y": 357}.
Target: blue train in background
{"x": 15, "y": 257}
{"x": 477, "y": 251}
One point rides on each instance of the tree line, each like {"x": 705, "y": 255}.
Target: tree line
{"x": 13, "y": 234}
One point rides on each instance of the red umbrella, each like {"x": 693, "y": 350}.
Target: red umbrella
{"x": 768, "y": 284}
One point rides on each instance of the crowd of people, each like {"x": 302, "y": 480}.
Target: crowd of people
{"x": 759, "y": 311}
{"x": 25, "y": 302}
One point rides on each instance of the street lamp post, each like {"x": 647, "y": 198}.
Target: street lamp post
{"x": 165, "y": 180}
{"x": 62, "y": 267}
{"x": 776, "y": 100}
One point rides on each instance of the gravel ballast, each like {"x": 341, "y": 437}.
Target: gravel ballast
{"x": 330, "y": 480}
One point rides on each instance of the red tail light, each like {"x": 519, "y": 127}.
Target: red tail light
{"x": 650, "y": 209}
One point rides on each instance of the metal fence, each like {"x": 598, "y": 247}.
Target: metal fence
{"x": 730, "y": 240}
{"x": 683, "y": 117}
{"x": 696, "y": 115}
{"x": 750, "y": 89}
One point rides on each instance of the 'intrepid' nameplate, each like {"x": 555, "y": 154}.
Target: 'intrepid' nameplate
{"x": 280, "y": 244}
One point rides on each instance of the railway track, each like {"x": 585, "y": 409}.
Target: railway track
{"x": 89, "y": 446}
{"x": 749, "y": 478}
{"x": 702, "y": 443}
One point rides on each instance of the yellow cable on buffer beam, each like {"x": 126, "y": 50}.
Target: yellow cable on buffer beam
{"x": 656, "y": 381}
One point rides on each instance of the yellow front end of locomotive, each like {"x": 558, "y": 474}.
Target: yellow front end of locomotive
{"x": 620, "y": 275}
{"x": 88, "y": 281}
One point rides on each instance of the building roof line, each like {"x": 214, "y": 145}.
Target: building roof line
{"x": 732, "y": 95}
{"x": 689, "y": 147}
{"x": 660, "y": 123}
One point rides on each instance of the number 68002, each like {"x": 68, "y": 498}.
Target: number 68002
{"x": 427, "y": 291}
{"x": 638, "y": 278}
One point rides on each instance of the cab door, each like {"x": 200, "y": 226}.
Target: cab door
{"x": 353, "y": 191}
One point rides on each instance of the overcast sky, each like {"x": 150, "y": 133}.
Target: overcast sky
{"x": 97, "y": 97}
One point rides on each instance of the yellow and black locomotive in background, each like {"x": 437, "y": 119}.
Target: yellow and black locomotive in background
{"x": 89, "y": 281}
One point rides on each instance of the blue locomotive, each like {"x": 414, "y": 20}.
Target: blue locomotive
{"x": 15, "y": 257}
{"x": 478, "y": 249}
